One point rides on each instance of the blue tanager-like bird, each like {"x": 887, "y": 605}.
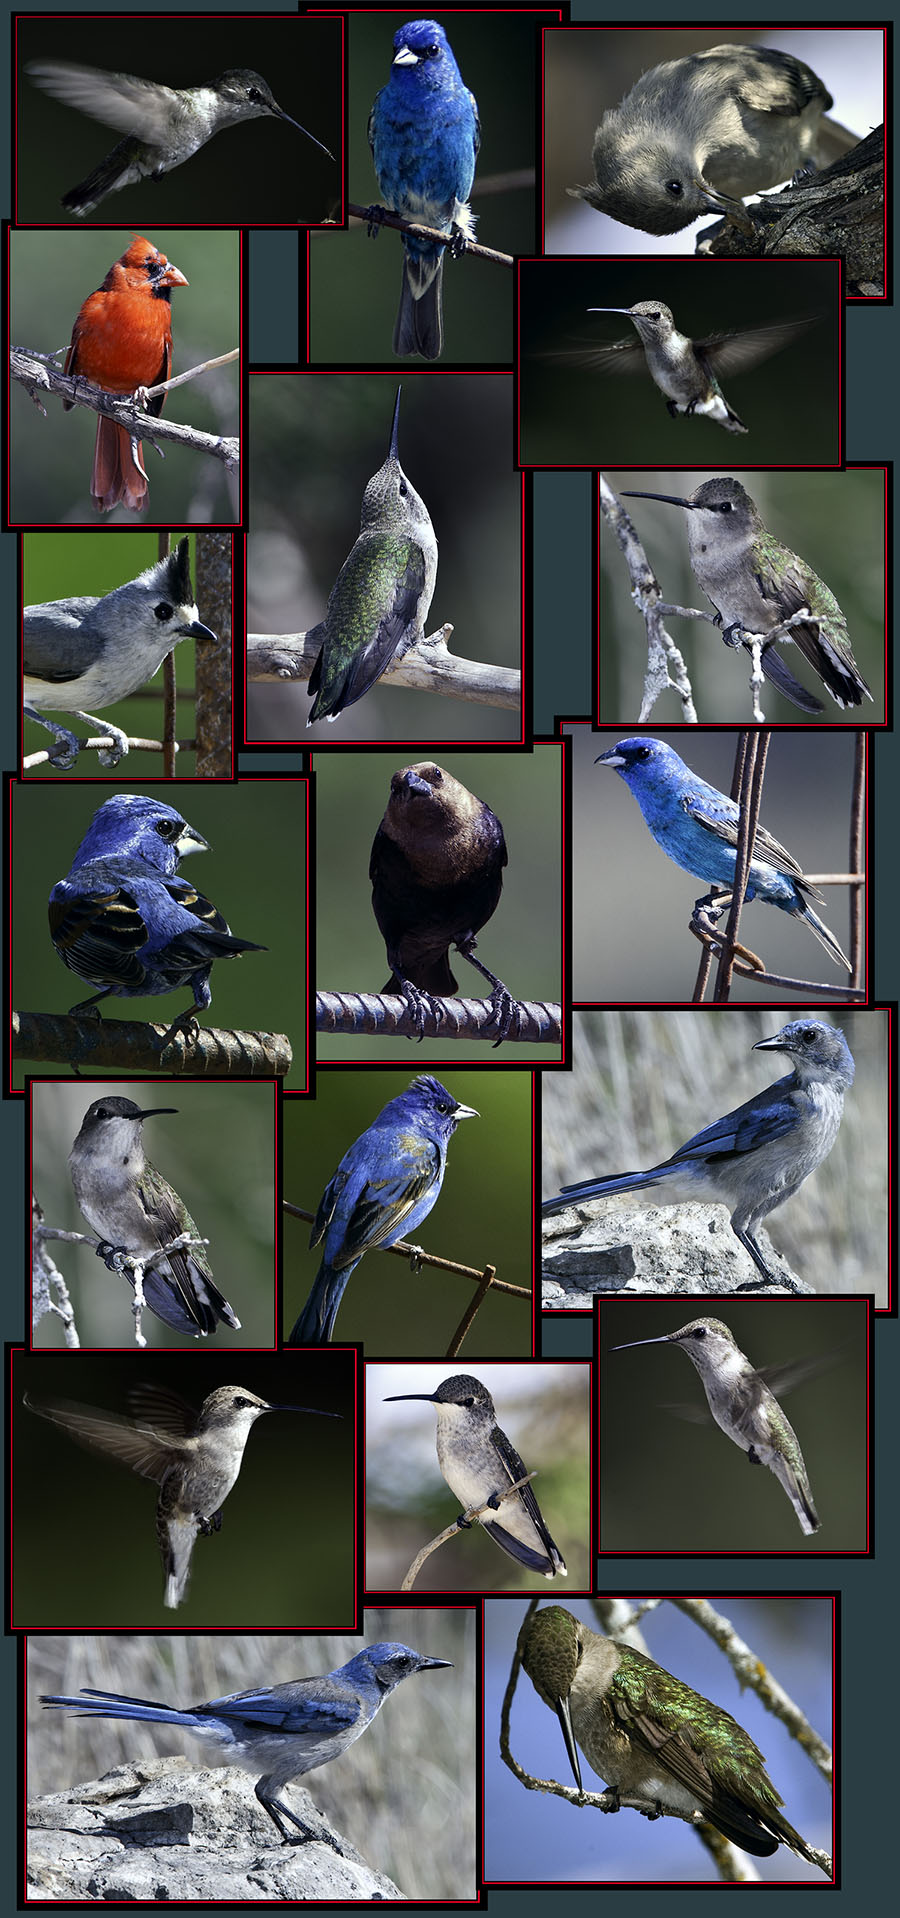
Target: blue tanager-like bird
{"x": 424, "y": 134}
{"x": 383, "y": 1188}
{"x": 124, "y": 920}
{"x": 698, "y": 827}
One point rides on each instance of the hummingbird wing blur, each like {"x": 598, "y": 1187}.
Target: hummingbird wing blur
{"x": 737, "y": 352}
{"x": 382, "y": 1204}
{"x": 165, "y": 1410}
{"x": 142, "y": 1450}
{"x": 140, "y": 107}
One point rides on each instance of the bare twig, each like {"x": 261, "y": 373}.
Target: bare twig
{"x": 402, "y": 1250}
{"x": 39, "y": 376}
{"x": 209, "y": 1052}
{"x": 452, "y": 1531}
{"x": 665, "y": 664}
{"x": 428, "y": 667}
{"x": 380, "y": 216}
{"x": 540, "y": 1021}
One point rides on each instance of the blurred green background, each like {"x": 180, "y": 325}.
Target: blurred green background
{"x": 315, "y": 442}
{"x": 354, "y": 283}
{"x": 259, "y": 173}
{"x": 521, "y": 943}
{"x": 544, "y": 1411}
{"x": 218, "y": 1151}
{"x": 833, "y": 521}
{"x": 404, "y": 1795}
{"x": 254, "y": 873}
{"x": 632, "y": 904}
{"x": 50, "y": 459}
{"x": 576, "y": 415}
{"x": 65, "y": 565}
{"x": 482, "y": 1216}
{"x": 645, "y": 1082}
{"x": 670, "y": 1484}
{"x": 78, "y": 1509}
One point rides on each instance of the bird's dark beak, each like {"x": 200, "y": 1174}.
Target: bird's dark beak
{"x": 734, "y": 210}
{"x": 565, "y": 1718}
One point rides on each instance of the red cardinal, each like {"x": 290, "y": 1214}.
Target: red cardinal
{"x": 122, "y": 339}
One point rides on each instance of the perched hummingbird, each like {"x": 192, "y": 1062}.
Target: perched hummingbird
{"x": 685, "y": 370}
{"x": 695, "y": 134}
{"x": 744, "y": 1407}
{"x": 194, "y": 1457}
{"x": 379, "y": 602}
{"x": 479, "y": 1463}
{"x": 164, "y": 126}
{"x": 135, "y": 1212}
{"x": 289, "y": 1729}
{"x": 648, "y": 1734}
{"x": 754, "y": 583}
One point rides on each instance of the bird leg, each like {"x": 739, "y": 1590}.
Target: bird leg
{"x": 418, "y": 1003}
{"x": 278, "y": 1811}
{"x": 114, "y": 1257}
{"x": 108, "y": 756}
{"x": 507, "y": 1011}
{"x": 63, "y": 759}
{"x": 186, "y": 1022}
{"x": 209, "y": 1525}
{"x": 374, "y": 220}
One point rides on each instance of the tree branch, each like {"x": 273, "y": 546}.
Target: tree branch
{"x": 61, "y": 1039}
{"x": 38, "y": 375}
{"x": 428, "y": 667}
{"x": 387, "y": 1014}
{"x": 452, "y": 1531}
{"x": 403, "y": 1250}
{"x": 380, "y": 216}
{"x": 839, "y": 211}
{"x": 665, "y": 664}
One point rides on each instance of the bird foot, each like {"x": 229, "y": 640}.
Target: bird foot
{"x": 374, "y": 220}
{"x": 419, "y": 1003}
{"x": 114, "y": 1256}
{"x": 459, "y": 243}
{"x": 733, "y": 635}
{"x": 187, "y": 1022}
{"x": 416, "y": 1255}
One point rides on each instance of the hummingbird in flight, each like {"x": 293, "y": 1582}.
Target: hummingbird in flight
{"x": 135, "y": 1213}
{"x": 755, "y": 583}
{"x": 194, "y": 1457}
{"x": 744, "y": 1407}
{"x": 163, "y": 126}
{"x": 379, "y": 602}
{"x": 480, "y": 1463}
{"x": 686, "y": 371}
{"x": 649, "y": 1735}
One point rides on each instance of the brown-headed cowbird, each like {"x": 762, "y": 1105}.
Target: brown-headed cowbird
{"x": 437, "y": 874}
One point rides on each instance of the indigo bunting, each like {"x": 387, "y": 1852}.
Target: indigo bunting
{"x": 698, "y": 827}
{"x": 437, "y": 872}
{"x": 385, "y": 1185}
{"x": 424, "y": 134}
{"x": 125, "y": 921}
{"x": 754, "y": 1158}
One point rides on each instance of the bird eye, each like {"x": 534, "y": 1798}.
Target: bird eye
{"x": 403, "y": 489}
{"x": 700, "y": 1332}
{"x": 675, "y": 187}
{"x": 163, "y": 611}
{"x": 253, "y": 93}
{"x": 642, "y": 752}
{"x": 167, "y": 828}
{"x": 432, "y": 51}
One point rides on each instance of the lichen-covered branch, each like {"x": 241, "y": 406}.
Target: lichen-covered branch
{"x": 665, "y": 665}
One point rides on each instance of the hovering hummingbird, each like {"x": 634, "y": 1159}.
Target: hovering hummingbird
{"x": 744, "y": 1407}
{"x": 379, "y": 602}
{"x": 135, "y": 1212}
{"x": 754, "y": 583}
{"x": 686, "y": 370}
{"x": 164, "y": 126}
{"x": 696, "y": 134}
{"x": 194, "y": 1457}
{"x": 479, "y": 1463}
{"x": 647, "y": 1733}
